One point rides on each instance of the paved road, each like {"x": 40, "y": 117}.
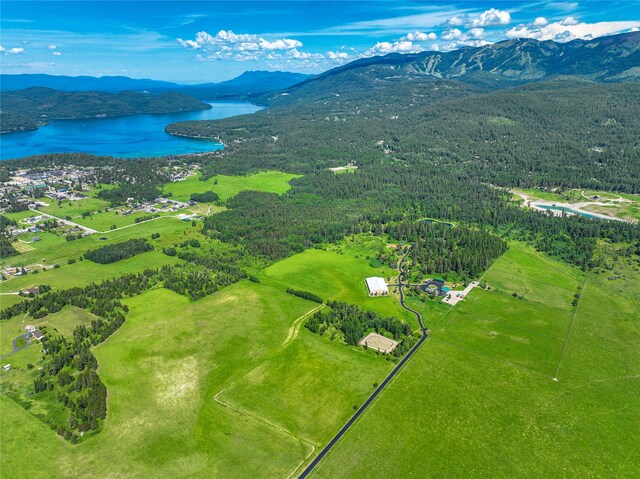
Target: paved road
{"x": 27, "y": 336}
{"x": 88, "y": 230}
{"x": 379, "y": 389}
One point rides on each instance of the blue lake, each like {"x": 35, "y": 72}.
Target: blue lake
{"x": 126, "y": 136}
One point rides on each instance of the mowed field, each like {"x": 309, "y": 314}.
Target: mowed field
{"x": 336, "y": 277}
{"x": 231, "y": 385}
{"x": 480, "y": 400}
{"x": 228, "y": 186}
{"x": 170, "y": 230}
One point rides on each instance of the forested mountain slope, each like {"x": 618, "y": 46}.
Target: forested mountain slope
{"x": 609, "y": 58}
{"x": 25, "y": 109}
{"x": 565, "y": 132}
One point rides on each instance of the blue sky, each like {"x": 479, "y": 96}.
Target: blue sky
{"x": 196, "y": 42}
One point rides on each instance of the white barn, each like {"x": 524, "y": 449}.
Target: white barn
{"x": 377, "y": 286}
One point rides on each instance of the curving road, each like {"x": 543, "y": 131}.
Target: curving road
{"x": 309, "y": 469}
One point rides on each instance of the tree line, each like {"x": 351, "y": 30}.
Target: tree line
{"x": 118, "y": 251}
{"x": 348, "y": 323}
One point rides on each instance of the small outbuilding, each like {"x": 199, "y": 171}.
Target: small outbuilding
{"x": 377, "y": 286}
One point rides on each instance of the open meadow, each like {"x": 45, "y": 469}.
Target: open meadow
{"x": 170, "y": 230}
{"x": 228, "y": 186}
{"x": 337, "y": 277}
{"x": 74, "y": 209}
{"x": 479, "y": 399}
{"x": 217, "y": 377}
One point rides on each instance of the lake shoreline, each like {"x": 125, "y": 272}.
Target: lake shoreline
{"x": 48, "y": 121}
{"x": 123, "y": 136}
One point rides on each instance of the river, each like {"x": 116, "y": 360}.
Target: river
{"x": 126, "y": 136}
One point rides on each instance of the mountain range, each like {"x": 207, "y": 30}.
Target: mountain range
{"x": 517, "y": 112}
{"x": 248, "y": 84}
{"x": 612, "y": 58}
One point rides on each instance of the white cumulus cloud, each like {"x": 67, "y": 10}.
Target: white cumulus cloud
{"x": 569, "y": 21}
{"x": 412, "y": 42}
{"x": 280, "y": 53}
{"x": 52, "y": 47}
{"x": 57, "y": 54}
{"x": 491, "y": 17}
{"x": 452, "y": 34}
{"x": 540, "y": 22}
{"x": 400, "y": 46}
{"x": 419, "y": 36}
{"x": 488, "y": 18}
{"x": 11, "y": 51}
{"x": 476, "y": 33}
{"x": 564, "y": 31}
{"x": 226, "y": 44}
{"x": 338, "y": 55}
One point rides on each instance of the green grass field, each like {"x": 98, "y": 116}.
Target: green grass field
{"x": 313, "y": 399}
{"x": 479, "y": 399}
{"x": 170, "y": 229}
{"x": 228, "y": 186}
{"x": 280, "y": 392}
{"x": 84, "y": 272}
{"x": 47, "y": 240}
{"x": 337, "y": 277}
{"x": 7, "y": 300}
{"x": 63, "y": 322}
{"x": 74, "y": 208}
{"x": 233, "y": 385}
{"x": 107, "y": 219}
{"x": 20, "y": 215}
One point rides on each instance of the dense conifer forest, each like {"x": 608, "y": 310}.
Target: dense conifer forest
{"x": 28, "y": 109}
{"x": 119, "y": 251}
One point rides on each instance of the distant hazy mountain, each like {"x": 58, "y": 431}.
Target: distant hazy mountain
{"x": 80, "y": 83}
{"x": 247, "y": 84}
{"x": 604, "y": 59}
{"x": 259, "y": 79}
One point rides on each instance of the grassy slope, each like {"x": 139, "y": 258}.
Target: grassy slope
{"x": 73, "y": 208}
{"x": 163, "y": 370}
{"x": 228, "y": 186}
{"x": 475, "y": 404}
{"x": 169, "y": 229}
{"x": 334, "y": 276}
{"x": 311, "y": 401}
{"x": 47, "y": 240}
{"x": 85, "y": 272}
{"x": 7, "y": 300}
{"x": 106, "y": 220}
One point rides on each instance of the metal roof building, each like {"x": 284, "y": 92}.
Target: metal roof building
{"x": 377, "y": 286}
